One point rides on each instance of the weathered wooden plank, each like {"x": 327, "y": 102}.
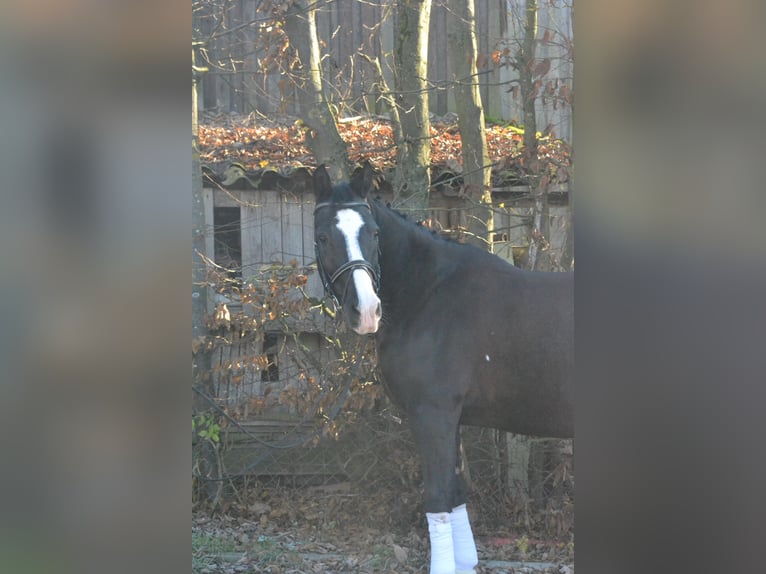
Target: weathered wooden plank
{"x": 387, "y": 31}
{"x": 558, "y": 229}
{"x": 332, "y": 39}
{"x": 208, "y": 204}
{"x": 437, "y": 63}
{"x": 314, "y": 287}
{"x": 511, "y": 222}
{"x": 323, "y": 22}
{"x": 252, "y": 224}
{"x": 237, "y": 376}
{"x": 226, "y": 198}
{"x": 302, "y": 357}
{"x": 271, "y": 227}
{"x": 297, "y": 243}
{"x": 343, "y": 57}
{"x": 280, "y": 423}
{"x": 369, "y": 28}
{"x": 292, "y": 230}
{"x": 356, "y": 67}
{"x": 289, "y": 370}
{"x": 239, "y": 49}
{"x": 311, "y": 466}
{"x": 251, "y": 384}
{"x": 497, "y": 28}
{"x": 249, "y": 86}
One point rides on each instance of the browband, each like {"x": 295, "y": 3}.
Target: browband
{"x": 345, "y": 204}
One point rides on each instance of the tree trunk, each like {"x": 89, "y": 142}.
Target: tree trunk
{"x": 541, "y": 228}
{"x": 412, "y": 179}
{"x": 386, "y": 96}
{"x": 538, "y": 184}
{"x": 567, "y": 254}
{"x": 518, "y": 464}
{"x": 201, "y": 358}
{"x": 322, "y": 135}
{"x": 461, "y": 34}
{"x": 521, "y": 451}
{"x": 526, "y": 62}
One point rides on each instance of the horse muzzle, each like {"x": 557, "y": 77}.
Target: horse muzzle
{"x": 366, "y": 322}
{"x": 364, "y": 315}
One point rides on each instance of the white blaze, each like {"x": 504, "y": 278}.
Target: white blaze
{"x": 349, "y": 222}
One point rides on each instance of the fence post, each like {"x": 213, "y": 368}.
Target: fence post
{"x": 201, "y": 355}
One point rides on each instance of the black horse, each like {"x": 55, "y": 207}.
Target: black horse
{"x": 462, "y": 338}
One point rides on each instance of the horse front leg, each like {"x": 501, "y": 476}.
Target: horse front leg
{"x": 463, "y": 543}
{"x": 435, "y": 434}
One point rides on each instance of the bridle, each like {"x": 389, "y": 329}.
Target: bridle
{"x": 329, "y": 280}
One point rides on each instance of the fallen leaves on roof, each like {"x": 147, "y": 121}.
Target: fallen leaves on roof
{"x": 257, "y": 144}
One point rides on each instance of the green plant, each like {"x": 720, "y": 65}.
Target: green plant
{"x": 268, "y": 550}
{"x": 382, "y": 556}
{"x": 522, "y": 544}
{"x": 207, "y": 550}
{"x": 206, "y": 426}
{"x": 493, "y": 121}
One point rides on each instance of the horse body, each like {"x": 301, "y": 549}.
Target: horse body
{"x": 464, "y": 338}
{"x": 483, "y": 334}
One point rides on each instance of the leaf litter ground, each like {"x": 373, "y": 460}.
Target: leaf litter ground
{"x": 334, "y": 529}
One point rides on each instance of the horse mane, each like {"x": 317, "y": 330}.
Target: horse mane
{"x": 418, "y": 225}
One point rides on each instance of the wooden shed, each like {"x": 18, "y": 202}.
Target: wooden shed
{"x": 264, "y": 220}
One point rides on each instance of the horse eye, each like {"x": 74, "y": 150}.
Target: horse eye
{"x": 322, "y": 238}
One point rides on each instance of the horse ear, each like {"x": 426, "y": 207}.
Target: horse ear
{"x": 361, "y": 181}
{"x": 322, "y": 184}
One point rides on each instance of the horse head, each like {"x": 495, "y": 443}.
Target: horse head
{"x": 346, "y": 242}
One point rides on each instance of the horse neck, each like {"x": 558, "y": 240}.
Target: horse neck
{"x": 405, "y": 254}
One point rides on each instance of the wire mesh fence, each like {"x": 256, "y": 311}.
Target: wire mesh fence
{"x": 292, "y": 398}
{"x": 299, "y": 409}
{"x": 375, "y": 454}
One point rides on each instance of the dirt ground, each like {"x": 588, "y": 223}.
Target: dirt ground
{"x": 334, "y": 529}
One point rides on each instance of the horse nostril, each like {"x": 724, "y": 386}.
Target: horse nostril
{"x": 378, "y": 310}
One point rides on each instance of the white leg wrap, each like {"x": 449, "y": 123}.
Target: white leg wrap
{"x": 464, "y": 546}
{"x": 440, "y": 532}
